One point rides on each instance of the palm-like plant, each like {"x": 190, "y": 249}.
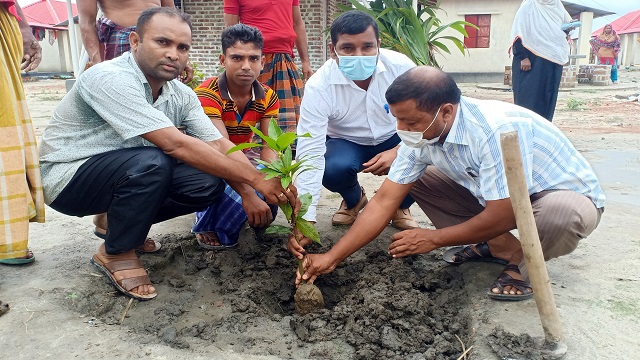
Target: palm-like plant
{"x": 417, "y": 34}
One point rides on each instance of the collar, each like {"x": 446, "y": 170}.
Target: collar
{"x": 257, "y": 91}
{"x": 457, "y": 132}
{"x": 337, "y": 77}
{"x": 166, "y": 89}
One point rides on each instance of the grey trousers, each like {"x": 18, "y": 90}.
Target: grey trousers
{"x": 562, "y": 217}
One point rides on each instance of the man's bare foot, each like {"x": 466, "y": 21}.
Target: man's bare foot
{"x": 208, "y": 240}
{"x": 126, "y": 272}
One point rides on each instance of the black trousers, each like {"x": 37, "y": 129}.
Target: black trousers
{"x": 537, "y": 89}
{"x": 136, "y": 187}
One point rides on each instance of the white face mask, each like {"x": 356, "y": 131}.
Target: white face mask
{"x": 414, "y": 138}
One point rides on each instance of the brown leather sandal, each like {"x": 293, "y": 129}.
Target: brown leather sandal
{"x": 117, "y": 263}
{"x": 149, "y": 246}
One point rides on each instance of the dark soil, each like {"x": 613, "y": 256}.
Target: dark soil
{"x": 242, "y": 301}
{"x": 513, "y": 347}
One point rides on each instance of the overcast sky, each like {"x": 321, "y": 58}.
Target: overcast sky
{"x": 620, "y": 7}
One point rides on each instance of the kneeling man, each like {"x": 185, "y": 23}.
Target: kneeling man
{"x": 451, "y": 164}
{"x": 112, "y": 146}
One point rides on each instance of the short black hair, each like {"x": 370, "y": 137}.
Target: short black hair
{"x": 428, "y": 86}
{"x": 352, "y": 22}
{"x": 148, "y": 14}
{"x": 243, "y": 33}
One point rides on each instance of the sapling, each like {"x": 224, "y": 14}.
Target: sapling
{"x": 308, "y": 297}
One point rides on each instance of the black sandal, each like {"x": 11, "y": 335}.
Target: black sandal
{"x": 461, "y": 254}
{"x": 506, "y": 280}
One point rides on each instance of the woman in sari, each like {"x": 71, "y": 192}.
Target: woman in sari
{"x": 21, "y": 199}
{"x": 606, "y": 46}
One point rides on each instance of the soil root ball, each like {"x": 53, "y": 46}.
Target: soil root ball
{"x": 308, "y": 299}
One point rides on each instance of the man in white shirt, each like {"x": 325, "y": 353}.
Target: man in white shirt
{"x": 345, "y": 112}
{"x": 451, "y": 163}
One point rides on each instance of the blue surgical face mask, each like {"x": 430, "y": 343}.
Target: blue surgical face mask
{"x": 357, "y": 67}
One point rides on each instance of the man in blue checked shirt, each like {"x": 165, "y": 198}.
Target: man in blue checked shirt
{"x": 450, "y": 162}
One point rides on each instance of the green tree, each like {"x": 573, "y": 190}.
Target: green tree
{"x": 417, "y": 34}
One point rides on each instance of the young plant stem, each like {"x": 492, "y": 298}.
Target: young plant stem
{"x": 295, "y": 234}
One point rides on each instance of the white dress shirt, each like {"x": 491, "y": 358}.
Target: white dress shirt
{"x": 336, "y": 107}
{"x": 472, "y": 156}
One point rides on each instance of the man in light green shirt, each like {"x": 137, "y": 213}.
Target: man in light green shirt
{"x": 112, "y": 146}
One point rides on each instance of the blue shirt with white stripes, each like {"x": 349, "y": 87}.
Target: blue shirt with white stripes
{"x": 472, "y": 157}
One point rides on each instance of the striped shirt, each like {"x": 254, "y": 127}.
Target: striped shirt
{"x": 217, "y": 103}
{"x": 472, "y": 157}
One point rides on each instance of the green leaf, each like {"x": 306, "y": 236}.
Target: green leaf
{"x": 305, "y": 200}
{"x": 270, "y": 142}
{"x": 305, "y": 135}
{"x": 308, "y": 230}
{"x": 242, "y": 146}
{"x": 278, "y": 230}
{"x": 274, "y": 129}
{"x": 287, "y": 210}
{"x": 285, "y": 140}
{"x": 285, "y": 181}
{"x": 287, "y": 159}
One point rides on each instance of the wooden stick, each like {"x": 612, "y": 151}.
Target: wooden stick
{"x": 126, "y": 309}
{"x": 529, "y": 239}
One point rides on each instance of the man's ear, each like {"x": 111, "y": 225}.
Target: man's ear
{"x": 448, "y": 112}
{"x": 221, "y": 58}
{"x": 332, "y": 52}
{"x": 262, "y": 61}
{"x": 134, "y": 40}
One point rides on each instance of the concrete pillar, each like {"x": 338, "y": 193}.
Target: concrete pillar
{"x": 584, "y": 35}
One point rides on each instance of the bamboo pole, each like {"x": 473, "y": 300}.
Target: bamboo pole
{"x": 529, "y": 239}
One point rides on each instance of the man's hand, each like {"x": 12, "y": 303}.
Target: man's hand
{"x": 411, "y": 242}
{"x": 306, "y": 70}
{"x": 187, "y": 75}
{"x": 525, "y": 65}
{"x": 314, "y": 265}
{"x": 381, "y": 163}
{"x": 32, "y": 53}
{"x": 258, "y": 212}
{"x": 297, "y": 248}
{"x": 274, "y": 193}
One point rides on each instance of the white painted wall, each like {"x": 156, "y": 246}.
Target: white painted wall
{"x": 57, "y": 57}
{"x": 630, "y": 49}
{"x": 492, "y": 59}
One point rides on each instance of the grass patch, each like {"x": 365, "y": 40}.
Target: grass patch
{"x": 575, "y": 104}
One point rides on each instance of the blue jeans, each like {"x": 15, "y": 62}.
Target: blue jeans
{"x": 343, "y": 161}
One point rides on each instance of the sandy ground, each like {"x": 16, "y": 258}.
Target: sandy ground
{"x": 238, "y": 304}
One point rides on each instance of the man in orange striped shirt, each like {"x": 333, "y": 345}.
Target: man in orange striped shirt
{"x": 233, "y": 101}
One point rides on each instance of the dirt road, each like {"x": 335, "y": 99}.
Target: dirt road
{"x": 238, "y": 304}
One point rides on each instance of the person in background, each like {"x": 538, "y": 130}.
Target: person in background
{"x": 606, "y": 46}
{"x": 282, "y": 27}
{"x": 21, "y": 196}
{"x": 235, "y": 100}
{"x": 540, "y": 50}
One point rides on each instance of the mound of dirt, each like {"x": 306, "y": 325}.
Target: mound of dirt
{"x": 514, "y": 347}
{"x": 242, "y": 301}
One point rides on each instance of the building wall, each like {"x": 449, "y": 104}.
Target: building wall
{"x": 630, "y": 48}
{"x": 487, "y": 60}
{"x": 208, "y": 24}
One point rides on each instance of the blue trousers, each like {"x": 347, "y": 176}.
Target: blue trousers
{"x": 343, "y": 161}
